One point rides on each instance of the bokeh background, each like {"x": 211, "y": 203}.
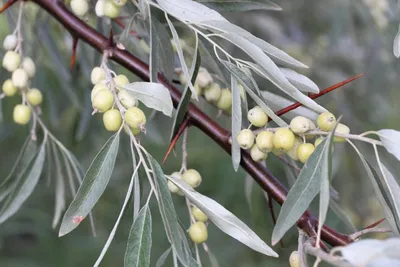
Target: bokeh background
{"x": 336, "y": 39}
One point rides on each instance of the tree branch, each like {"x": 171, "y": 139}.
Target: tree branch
{"x": 260, "y": 174}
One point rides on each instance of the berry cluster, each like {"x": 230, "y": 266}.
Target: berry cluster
{"x": 103, "y": 8}
{"x": 117, "y": 104}
{"x": 212, "y": 91}
{"x": 22, "y": 69}
{"x": 292, "y": 140}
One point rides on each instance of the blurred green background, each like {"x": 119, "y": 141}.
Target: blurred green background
{"x": 337, "y": 39}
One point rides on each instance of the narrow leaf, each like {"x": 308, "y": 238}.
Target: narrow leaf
{"x": 391, "y": 141}
{"x": 396, "y": 44}
{"x": 94, "y": 183}
{"x": 224, "y": 219}
{"x": 301, "y": 82}
{"x": 153, "y": 95}
{"x": 163, "y": 258}
{"x": 239, "y": 5}
{"x": 139, "y": 241}
{"x": 236, "y": 122}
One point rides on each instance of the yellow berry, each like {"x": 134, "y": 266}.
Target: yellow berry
{"x": 341, "y": 129}
{"x": 29, "y": 66}
{"x": 257, "y": 117}
{"x": 245, "y": 138}
{"x": 79, "y": 7}
{"x": 283, "y": 139}
{"x": 326, "y": 121}
{"x": 135, "y": 131}
{"x": 8, "y": 88}
{"x": 212, "y": 93}
{"x": 97, "y": 88}
{"x": 300, "y": 125}
{"x": 111, "y": 10}
{"x": 198, "y": 90}
{"x": 103, "y": 100}
{"x": 11, "y": 61}
{"x": 278, "y": 152}
{"x": 121, "y": 80}
{"x": 264, "y": 141}
{"x": 10, "y": 42}
{"x": 127, "y": 100}
{"x": 172, "y": 187}
{"x": 99, "y": 8}
{"x": 304, "y": 151}
{"x": 119, "y": 2}
{"x": 20, "y": 78}
{"x": 312, "y": 127}
{"x": 225, "y": 100}
{"x": 98, "y": 75}
{"x": 22, "y": 114}
{"x": 204, "y": 78}
{"x": 292, "y": 153}
{"x": 294, "y": 259}
{"x": 112, "y": 120}
{"x": 257, "y": 155}
{"x": 135, "y": 117}
{"x": 198, "y": 232}
{"x": 199, "y": 215}
{"x": 34, "y": 97}
{"x": 192, "y": 178}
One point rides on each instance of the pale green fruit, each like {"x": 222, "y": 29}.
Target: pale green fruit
{"x": 97, "y": 88}
{"x": 192, "y": 178}
{"x": 11, "y": 61}
{"x": 292, "y": 153}
{"x": 204, "y": 78}
{"x": 135, "y": 131}
{"x": 198, "y": 232}
{"x": 98, "y": 75}
{"x": 318, "y": 141}
{"x": 341, "y": 129}
{"x": 257, "y": 117}
{"x": 304, "y": 152}
{"x": 79, "y": 7}
{"x": 21, "y": 114}
{"x": 312, "y": 127}
{"x": 172, "y": 187}
{"x": 100, "y": 8}
{"x": 29, "y": 66}
{"x": 34, "y": 97}
{"x": 245, "y": 139}
{"x": 103, "y": 100}
{"x": 283, "y": 139}
{"x": 198, "y": 91}
{"x": 10, "y": 42}
{"x": 135, "y": 117}
{"x": 8, "y": 88}
{"x": 294, "y": 259}
{"x": 300, "y": 125}
{"x": 119, "y": 2}
{"x": 111, "y": 10}
{"x": 112, "y": 120}
{"x": 126, "y": 99}
{"x": 181, "y": 42}
{"x": 326, "y": 121}
{"x": 257, "y": 155}
{"x": 264, "y": 141}
{"x": 278, "y": 152}
{"x": 121, "y": 80}
{"x": 212, "y": 93}
{"x": 225, "y": 100}
{"x": 20, "y": 78}
{"x": 199, "y": 215}
{"x": 242, "y": 92}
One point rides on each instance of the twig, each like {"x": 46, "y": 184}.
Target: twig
{"x": 356, "y": 235}
{"x": 319, "y": 253}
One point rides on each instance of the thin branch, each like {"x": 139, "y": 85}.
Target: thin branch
{"x": 319, "y": 253}
{"x": 356, "y": 235}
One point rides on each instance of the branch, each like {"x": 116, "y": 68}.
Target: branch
{"x": 260, "y": 174}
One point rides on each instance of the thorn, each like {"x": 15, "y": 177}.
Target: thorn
{"x": 374, "y": 224}
{"x": 122, "y": 25}
{"x": 7, "y": 5}
{"x": 180, "y": 131}
{"x": 111, "y": 38}
{"x": 73, "y": 56}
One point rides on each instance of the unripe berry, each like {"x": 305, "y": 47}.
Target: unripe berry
{"x": 192, "y": 178}
{"x": 144, "y": 46}
{"x": 111, "y": 10}
{"x": 98, "y": 75}
{"x": 121, "y": 80}
{"x": 34, "y": 97}
{"x": 119, "y": 2}
{"x": 11, "y": 61}
{"x": 21, "y": 114}
{"x": 245, "y": 138}
{"x": 292, "y": 153}
{"x": 212, "y": 93}
{"x": 257, "y": 117}
{"x": 264, "y": 141}
{"x": 341, "y": 129}
{"x": 99, "y": 8}
{"x": 8, "y": 88}
{"x": 198, "y": 91}
{"x": 312, "y": 127}
{"x": 10, "y": 42}
{"x": 20, "y": 78}
{"x": 172, "y": 187}
{"x": 134, "y": 131}
{"x": 294, "y": 259}
{"x": 181, "y": 42}
{"x": 29, "y": 66}
{"x": 198, "y": 232}
{"x": 103, "y": 100}
{"x": 300, "y": 125}
{"x": 112, "y": 120}
{"x": 283, "y": 139}
{"x": 126, "y": 99}
{"x": 318, "y": 141}
{"x": 278, "y": 152}
{"x": 204, "y": 78}
{"x": 199, "y": 215}
{"x": 79, "y": 7}
{"x": 97, "y": 88}
{"x": 135, "y": 117}
{"x": 242, "y": 92}
{"x": 304, "y": 151}
{"x": 225, "y": 100}
{"x": 257, "y": 155}
{"x": 326, "y": 121}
